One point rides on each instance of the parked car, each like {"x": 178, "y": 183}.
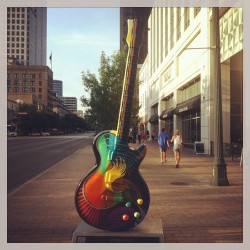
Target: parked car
{"x": 12, "y": 134}
{"x": 35, "y": 134}
{"x": 45, "y": 133}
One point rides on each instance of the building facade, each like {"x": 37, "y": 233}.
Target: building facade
{"x": 31, "y": 85}
{"x": 70, "y": 103}
{"x": 176, "y": 78}
{"x": 58, "y": 88}
{"x": 27, "y": 35}
{"x": 59, "y": 107}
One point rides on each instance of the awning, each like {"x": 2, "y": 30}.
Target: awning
{"x": 166, "y": 114}
{"x": 193, "y": 103}
{"x": 154, "y": 119}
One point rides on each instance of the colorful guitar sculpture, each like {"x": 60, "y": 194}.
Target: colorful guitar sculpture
{"x": 113, "y": 196}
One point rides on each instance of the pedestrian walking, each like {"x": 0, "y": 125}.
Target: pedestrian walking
{"x": 142, "y": 136}
{"x": 153, "y": 135}
{"x": 139, "y": 136}
{"x": 163, "y": 142}
{"x": 147, "y": 135}
{"x": 177, "y": 147}
{"x": 134, "y": 133}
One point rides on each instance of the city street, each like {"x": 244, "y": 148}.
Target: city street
{"x": 190, "y": 208}
{"x": 30, "y": 156}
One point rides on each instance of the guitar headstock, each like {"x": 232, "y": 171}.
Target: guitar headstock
{"x": 131, "y": 31}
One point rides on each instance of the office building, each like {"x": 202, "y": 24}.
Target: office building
{"x": 29, "y": 79}
{"x": 59, "y": 107}
{"x": 27, "y": 36}
{"x": 31, "y": 85}
{"x": 177, "y": 76}
{"x": 58, "y": 88}
{"x": 70, "y": 103}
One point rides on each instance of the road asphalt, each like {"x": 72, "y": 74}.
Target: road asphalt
{"x": 191, "y": 209}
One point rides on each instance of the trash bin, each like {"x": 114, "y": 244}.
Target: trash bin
{"x": 199, "y": 147}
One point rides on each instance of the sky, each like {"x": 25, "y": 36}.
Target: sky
{"x": 76, "y": 38}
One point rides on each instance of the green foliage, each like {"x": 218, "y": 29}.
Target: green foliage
{"x": 34, "y": 121}
{"x": 104, "y": 99}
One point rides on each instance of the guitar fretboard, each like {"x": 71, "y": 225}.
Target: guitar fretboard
{"x": 128, "y": 84}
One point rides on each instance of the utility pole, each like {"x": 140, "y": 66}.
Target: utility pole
{"x": 219, "y": 177}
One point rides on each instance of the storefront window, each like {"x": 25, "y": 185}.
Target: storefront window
{"x": 169, "y": 126}
{"x": 191, "y": 126}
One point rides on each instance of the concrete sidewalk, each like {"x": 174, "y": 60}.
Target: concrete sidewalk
{"x": 191, "y": 209}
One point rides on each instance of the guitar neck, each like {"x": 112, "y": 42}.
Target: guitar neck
{"x": 128, "y": 82}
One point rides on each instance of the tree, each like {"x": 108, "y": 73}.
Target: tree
{"x": 37, "y": 121}
{"x": 104, "y": 99}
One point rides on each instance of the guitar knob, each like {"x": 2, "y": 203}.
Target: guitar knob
{"x": 125, "y": 217}
{"x": 128, "y": 204}
{"x": 137, "y": 214}
{"x": 139, "y": 201}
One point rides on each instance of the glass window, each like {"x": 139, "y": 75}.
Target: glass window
{"x": 24, "y": 89}
{"x": 169, "y": 124}
{"x": 178, "y": 32}
{"x": 32, "y": 90}
{"x": 171, "y": 28}
{"x": 191, "y": 126}
{"x": 196, "y": 11}
{"x": 186, "y": 18}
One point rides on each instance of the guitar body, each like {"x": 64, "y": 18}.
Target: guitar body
{"x": 113, "y": 195}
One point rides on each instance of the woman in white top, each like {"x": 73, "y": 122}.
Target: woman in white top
{"x": 177, "y": 139}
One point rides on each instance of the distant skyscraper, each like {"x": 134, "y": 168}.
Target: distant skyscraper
{"x": 70, "y": 103}
{"x": 27, "y": 36}
{"x": 29, "y": 78}
{"x": 58, "y": 88}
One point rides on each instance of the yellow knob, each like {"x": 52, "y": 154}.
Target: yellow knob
{"x": 140, "y": 201}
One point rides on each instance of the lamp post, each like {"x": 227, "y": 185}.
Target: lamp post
{"x": 219, "y": 177}
{"x": 96, "y": 124}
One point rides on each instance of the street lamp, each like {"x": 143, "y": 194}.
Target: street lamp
{"x": 219, "y": 177}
